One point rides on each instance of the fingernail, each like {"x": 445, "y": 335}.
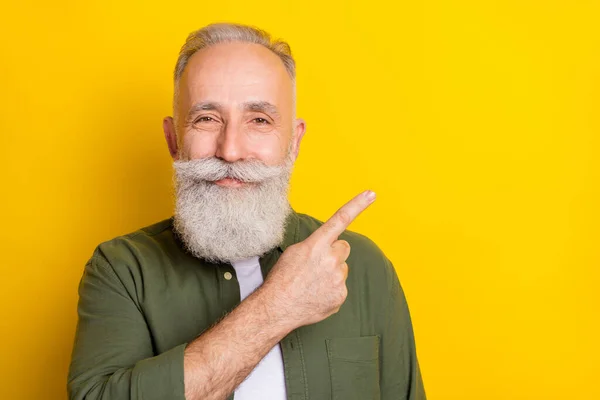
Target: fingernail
{"x": 370, "y": 195}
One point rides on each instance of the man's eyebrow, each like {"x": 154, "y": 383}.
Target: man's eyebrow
{"x": 253, "y": 106}
{"x": 205, "y": 106}
{"x": 261, "y": 106}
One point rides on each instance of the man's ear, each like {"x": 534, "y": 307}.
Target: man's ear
{"x": 171, "y": 137}
{"x": 299, "y": 131}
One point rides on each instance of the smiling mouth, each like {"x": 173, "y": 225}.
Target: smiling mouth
{"x": 229, "y": 182}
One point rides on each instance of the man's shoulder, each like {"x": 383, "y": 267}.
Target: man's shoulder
{"x": 136, "y": 244}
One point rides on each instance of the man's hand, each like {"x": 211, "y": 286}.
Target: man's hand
{"x": 308, "y": 283}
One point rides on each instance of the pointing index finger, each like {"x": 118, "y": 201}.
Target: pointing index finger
{"x": 334, "y": 226}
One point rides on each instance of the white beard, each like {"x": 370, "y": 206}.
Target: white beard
{"x": 224, "y": 224}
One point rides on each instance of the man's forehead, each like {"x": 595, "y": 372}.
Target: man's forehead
{"x": 238, "y": 64}
{"x": 268, "y": 96}
{"x": 234, "y": 75}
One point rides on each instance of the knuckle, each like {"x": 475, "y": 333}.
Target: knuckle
{"x": 344, "y": 216}
{"x": 332, "y": 258}
{"x": 345, "y": 269}
{"x": 339, "y": 301}
{"x": 347, "y": 251}
{"x": 328, "y": 227}
{"x": 344, "y": 244}
{"x": 341, "y": 276}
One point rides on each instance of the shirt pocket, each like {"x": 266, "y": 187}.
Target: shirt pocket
{"x": 354, "y": 367}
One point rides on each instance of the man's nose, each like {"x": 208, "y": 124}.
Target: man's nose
{"x": 230, "y": 143}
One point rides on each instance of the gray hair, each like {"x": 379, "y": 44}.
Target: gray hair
{"x": 216, "y": 33}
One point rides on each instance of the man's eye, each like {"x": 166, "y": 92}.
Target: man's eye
{"x": 261, "y": 121}
{"x": 205, "y": 119}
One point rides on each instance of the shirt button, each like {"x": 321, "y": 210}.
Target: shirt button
{"x": 228, "y": 275}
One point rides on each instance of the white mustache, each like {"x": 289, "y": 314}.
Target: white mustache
{"x": 214, "y": 169}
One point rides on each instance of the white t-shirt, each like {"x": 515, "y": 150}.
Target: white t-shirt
{"x": 267, "y": 380}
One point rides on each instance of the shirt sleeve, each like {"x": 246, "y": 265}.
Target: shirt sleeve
{"x": 400, "y": 373}
{"x": 112, "y": 356}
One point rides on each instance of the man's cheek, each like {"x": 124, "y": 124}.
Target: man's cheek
{"x": 200, "y": 146}
{"x": 273, "y": 151}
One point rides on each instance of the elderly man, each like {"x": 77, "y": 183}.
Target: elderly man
{"x": 237, "y": 295}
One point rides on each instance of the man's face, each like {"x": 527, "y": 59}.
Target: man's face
{"x": 235, "y": 103}
{"x": 234, "y": 150}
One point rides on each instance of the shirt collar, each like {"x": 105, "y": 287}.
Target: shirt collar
{"x": 291, "y": 230}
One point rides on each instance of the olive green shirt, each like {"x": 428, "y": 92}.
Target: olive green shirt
{"x": 143, "y": 298}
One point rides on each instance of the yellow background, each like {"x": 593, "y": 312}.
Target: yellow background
{"x": 476, "y": 122}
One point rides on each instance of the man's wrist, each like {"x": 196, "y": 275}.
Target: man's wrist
{"x": 275, "y": 312}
